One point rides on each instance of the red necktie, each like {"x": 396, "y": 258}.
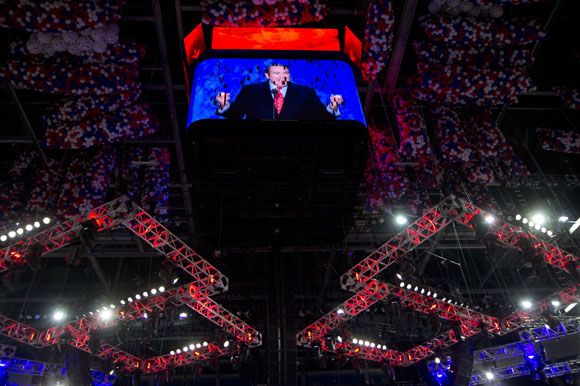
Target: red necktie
{"x": 278, "y": 101}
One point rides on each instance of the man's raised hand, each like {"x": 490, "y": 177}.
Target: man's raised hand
{"x": 223, "y": 99}
{"x": 335, "y": 101}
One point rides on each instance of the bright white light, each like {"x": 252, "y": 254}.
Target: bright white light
{"x": 226, "y": 343}
{"x": 178, "y": 351}
{"x": 437, "y": 360}
{"x": 3, "y": 238}
{"x": 402, "y": 284}
{"x": 531, "y": 223}
{"x": 12, "y": 234}
{"x": 549, "y": 233}
{"x": 435, "y": 295}
{"x": 37, "y": 224}
{"x": 339, "y": 339}
{"x": 58, "y": 315}
{"x": 175, "y": 281}
{"x": 204, "y": 344}
{"x": 489, "y": 219}
{"x": 367, "y": 343}
{"x": 106, "y": 315}
{"x": 399, "y": 276}
{"x": 113, "y": 306}
{"x": 138, "y": 297}
{"x": 372, "y": 345}
{"x": 360, "y": 342}
{"x": 130, "y": 300}
{"x": 153, "y": 291}
{"x": 556, "y": 303}
{"x": 197, "y": 345}
{"x": 527, "y": 304}
{"x": 429, "y": 293}
{"x": 538, "y": 218}
{"x": 145, "y": 294}
{"x": 185, "y": 349}
{"x": 574, "y": 226}
{"x": 183, "y": 315}
{"x": 46, "y": 220}
{"x": 192, "y": 346}
{"x": 20, "y": 231}
{"x": 409, "y": 286}
{"x": 355, "y": 341}
{"x": 161, "y": 289}
{"x": 422, "y": 290}
{"x": 29, "y": 227}
{"x": 171, "y": 352}
{"x": 518, "y": 217}
{"x": 537, "y": 227}
{"x": 145, "y": 316}
{"x": 563, "y": 218}
{"x": 384, "y": 347}
{"x": 544, "y": 230}
{"x": 569, "y": 307}
{"x": 525, "y": 220}
{"x": 416, "y": 289}
{"x": 401, "y": 220}
{"x": 489, "y": 375}
{"x": 340, "y": 311}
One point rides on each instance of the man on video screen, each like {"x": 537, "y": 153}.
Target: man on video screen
{"x": 277, "y": 98}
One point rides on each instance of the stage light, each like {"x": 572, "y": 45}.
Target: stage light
{"x": 20, "y": 231}
{"x": 12, "y": 234}
{"x": 372, "y": 345}
{"x": 106, "y": 315}
{"x": 185, "y": 349}
{"x": 153, "y": 291}
{"x": 367, "y": 343}
{"x": 538, "y": 227}
{"x": 437, "y": 360}
{"x": 145, "y": 316}
{"x": 569, "y": 307}
{"x": 175, "y": 281}
{"x": 527, "y": 304}
{"x": 36, "y": 224}
{"x": 435, "y": 295}
{"x": 183, "y": 315}
{"x": 28, "y": 227}
{"x": 401, "y": 220}
{"x": 205, "y": 344}
{"x": 192, "y": 346}
{"x": 563, "y": 218}
{"x": 428, "y": 293}
{"x": 443, "y": 299}
{"x": 178, "y": 351}
{"x": 171, "y": 352}
{"x": 422, "y": 290}
{"x": 416, "y": 289}
{"x": 226, "y": 343}
{"x": 549, "y": 233}
{"x": 409, "y": 286}
{"x": 543, "y": 230}
{"x": 399, "y": 276}
{"x": 489, "y": 375}
{"x": 354, "y": 340}
{"x": 402, "y": 285}
{"x": 556, "y": 303}
{"x": 161, "y": 289}
{"x": 3, "y": 238}
{"x": 340, "y": 311}
{"x": 525, "y": 220}
{"x": 145, "y": 294}
{"x": 360, "y": 342}
{"x": 339, "y": 339}
{"x": 489, "y": 219}
{"x": 518, "y": 217}
{"x": 130, "y": 300}
{"x": 113, "y": 306}
{"x": 198, "y": 345}
{"x": 58, "y": 315}
{"x": 538, "y": 218}
{"x": 137, "y": 297}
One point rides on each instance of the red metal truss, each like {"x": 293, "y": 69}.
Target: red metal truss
{"x": 436, "y": 219}
{"x": 160, "y": 363}
{"x": 206, "y": 277}
{"x": 366, "y": 352}
{"x": 61, "y": 234}
{"x": 19, "y": 331}
{"x": 151, "y": 304}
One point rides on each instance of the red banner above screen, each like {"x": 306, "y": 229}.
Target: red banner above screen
{"x": 283, "y": 39}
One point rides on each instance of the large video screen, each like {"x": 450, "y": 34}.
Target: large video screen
{"x": 292, "y": 89}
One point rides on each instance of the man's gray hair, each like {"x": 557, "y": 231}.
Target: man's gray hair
{"x": 267, "y": 70}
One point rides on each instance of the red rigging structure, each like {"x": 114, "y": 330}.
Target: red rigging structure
{"x": 207, "y": 281}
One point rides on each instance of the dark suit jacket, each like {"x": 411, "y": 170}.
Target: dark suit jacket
{"x": 255, "y": 102}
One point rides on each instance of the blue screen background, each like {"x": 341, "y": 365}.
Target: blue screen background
{"x": 229, "y": 74}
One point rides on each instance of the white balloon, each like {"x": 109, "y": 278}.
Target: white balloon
{"x": 44, "y": 38}
{"x": 496, "y": 11}
{"x": 465, "y": 6}
{"x": 439, "y": 2}
{"x": 258, "y": 2}
{"x": 453, "y": 11}
{"x": 33, "y": 46}
{"x": 70, "y": 37}
{"x": 453, "y": 3}
{"x": 98, "y": 34}
{"x": 111, "y": 37}
{"x": 485, "y": 6}
{"x": 85, "y": 43}
{"x": 433, "y": 7}
{"x": 58, "y": 43}
{"x": 475, "y": 11}
{"x": 99, "y": 46}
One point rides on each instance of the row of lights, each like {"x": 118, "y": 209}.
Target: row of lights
{"x": 527, "y": 304}
{"x": 192, "y": 347}
{"x": 537, "y": 221}
{"x": 20, "y": 231}
{"x": 422, "y": 291}
{"x": 366, "y": 343}
{"x": 154, "y": 291}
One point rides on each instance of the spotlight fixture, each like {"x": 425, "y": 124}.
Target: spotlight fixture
{"x": 226, "y": 343}
{"x": 192, "y": 346}
{"x": 178, "y": 351}
{"x": 183, "y": 315}
{"x": 538, "y": 218}
{"x": 185, "y": 349}
{"x": 161, "y": 289}
{"x": 537, "y": 227}
{"x": 525, "y": 220}
{"x": 12, "y": 234}
{"x": 340, "y": 311}
{"x": 29, "y": 227}
{"x": 422, "y": 290}
{"x": 518, "y": 217}
{"x": 145, "y": 294}
{"x": 531, "y": 224}
{"x": 549, "y": 233}
{"x": 556, "y": 303}
{"x": 543, "y": 229}
{"x": 106, "y": 315}
{"x": 171, "y": 352}
{"x": 400, "y": 219}
{"x": 122, "y": 302}
{"x": 138, "y": 297}
{"x": 563, "y": 218}
{"x": 354, "y": 340}
{"x": 339, "y": 339}
{"x": 437, "y": 360}
{"x": 435, "y": 295}
{"x": 402, "y": 285}
{"x": 399, "y": 276}
{"x": 489, "y": 375}
{"x": 20, "y": 231}
{"x": 205, "y": 344}
{"x": 46, "y": 220}
{"x": 58, "y": 315}
{"x": 197, "y": 345}
{"x": 527, "y": 304}
{"x": 489, "y": 219}
{"x": 36, "y": 224}
{"x": 416, "y": 289}
{"x": 130, "y": 300}
{"x": 153, "y": 291}
{"x": 428, "y": 293}
{"x": 3, "y": 238}
{"x": 409, "y": 286}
